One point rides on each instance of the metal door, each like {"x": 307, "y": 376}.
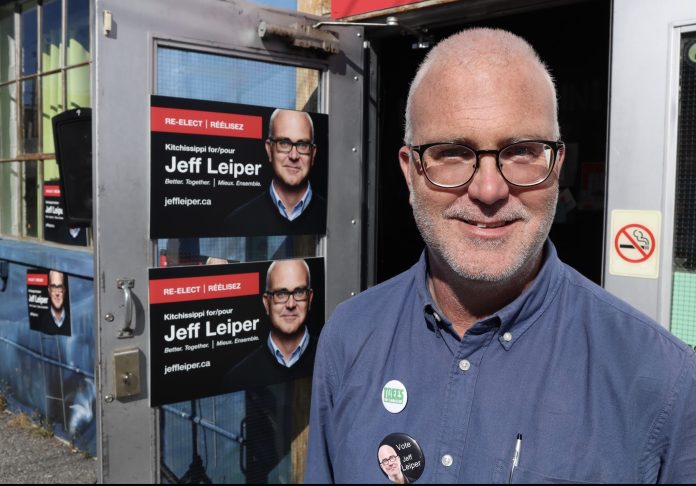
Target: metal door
{"x": 220, "y": 50}
{"x": 651, "y": 169}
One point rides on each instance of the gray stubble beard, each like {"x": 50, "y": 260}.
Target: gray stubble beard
{"x": 427, "y": 223}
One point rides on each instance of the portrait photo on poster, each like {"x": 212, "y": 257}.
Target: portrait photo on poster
{"x": 226, "y": 169}
{"x": 48, "y": 301}
{"x": 224, "y": 328}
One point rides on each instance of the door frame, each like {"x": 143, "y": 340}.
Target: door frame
{"x": 124, "y": 78}
{"x": 642, "y": 151}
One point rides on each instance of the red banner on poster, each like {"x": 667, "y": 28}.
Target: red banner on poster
{"x": 203, "y": 288}
{"x": 37, "y": 278}
{"x": 346, "y": 8}
{"x": 176, "y": 120}
{"x": 51, "y": 190}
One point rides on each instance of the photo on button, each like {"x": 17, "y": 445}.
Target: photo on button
{"x": 400, "y": 458}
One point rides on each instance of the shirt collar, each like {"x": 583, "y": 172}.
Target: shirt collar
{"x": 299, "y": 207}
{"x": 515, "y": 318}
{"x": 295, "y": 356}
{"x": 58, "y": 322}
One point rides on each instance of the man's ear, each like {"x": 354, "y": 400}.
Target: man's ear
{"x": 406, "y": 165}
{"x": 266, "y": 304}
{"x": 269, "y": 151}
{"x": 314, "y": 154}
{"x": 560, "y": 158}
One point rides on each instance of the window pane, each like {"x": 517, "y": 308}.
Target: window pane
{"x": 29, "y": 60}
{"x": 50, "y": 171}
{"x": 78, "y": 88}
{"x": 288, "y": 4}
{"x": 51, "y": 38}
{"x": 9, "y": 195}
{"x": 31, "y": 198}
{"x": 8, "y": 121}
{"x": 7, "y": 43}
{"x": 223, "y": 78}
{"x": 30, "y": 118}
{"x": 78, "y": 31}
{"x": 51, "y": 106}
{"x": 683, "y": 315}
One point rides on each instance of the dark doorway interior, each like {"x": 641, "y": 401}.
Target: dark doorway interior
{"x": 574, "y": 41}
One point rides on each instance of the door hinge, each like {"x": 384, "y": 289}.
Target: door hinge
{"x": 299, "y": 35}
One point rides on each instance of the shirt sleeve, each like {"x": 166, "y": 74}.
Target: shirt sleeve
{"x": 319, "y": 468}
{"x": 676, "y": 442}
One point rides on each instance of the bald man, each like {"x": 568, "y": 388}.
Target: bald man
{"x": 289, "y": 205}
{"x": 289, "y": 350}
{"x": 390, "y": 463}
{"x": 56, "y": 320}
{"x": 517, "y": 368}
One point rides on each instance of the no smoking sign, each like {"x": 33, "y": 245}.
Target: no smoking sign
{"x": 634, "y": 251}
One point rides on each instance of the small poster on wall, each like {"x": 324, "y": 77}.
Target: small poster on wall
{"x": 48, "y": 301}
{"x": 222, "y": 328}
{"x": 224, "y": 169}
{"x": 56, "y": 228}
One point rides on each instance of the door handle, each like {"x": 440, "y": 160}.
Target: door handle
{"x": 126, "y": 284}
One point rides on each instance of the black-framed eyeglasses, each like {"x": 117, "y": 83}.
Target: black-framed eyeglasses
{"x": 300, "y": 294}
{"x": 387, "y": 460}
{"x": 56, "y": 288}
{"x": 284, "y": 146}
{"x": 525, "y": 163}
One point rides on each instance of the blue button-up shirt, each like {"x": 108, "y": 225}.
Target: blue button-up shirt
{"x": 598, "y": 391}
{"x": 299, "y": 207}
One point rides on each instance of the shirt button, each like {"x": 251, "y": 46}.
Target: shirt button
{"x": 447, "y": 460}
{"x": 464, "y": 365}
{"x": 507, "y": 337}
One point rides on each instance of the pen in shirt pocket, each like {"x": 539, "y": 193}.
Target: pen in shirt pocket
{"x": 516, "y": 456}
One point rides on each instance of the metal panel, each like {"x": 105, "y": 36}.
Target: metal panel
{"x": 642, "y": 133}
{"x": 122, "y": 84}
{"x": 345, "y": 218}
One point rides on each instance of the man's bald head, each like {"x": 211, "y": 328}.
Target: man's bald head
{"x": 478, "y": 52}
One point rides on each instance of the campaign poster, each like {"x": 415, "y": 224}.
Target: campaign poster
{"x": 225, "y": 169}
{"x": 216, "y": 329}
{"x": 56, "y": 228}
{"x": 48, "y": 301}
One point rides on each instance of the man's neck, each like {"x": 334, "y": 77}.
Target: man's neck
{"x": 57, "y": 313}
{"x": 289, "y": 342}
{"x": 465, "y": 301}
{"x": 288, "y": 195}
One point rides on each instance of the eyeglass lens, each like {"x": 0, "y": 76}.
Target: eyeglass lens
{"x": 282, "y": 296}
{"x": 284, "y": 146}
{"x": 524, "y": 163}
{"x": 387, "y": 460}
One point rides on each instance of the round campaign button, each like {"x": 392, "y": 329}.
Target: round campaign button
{"x": 394, "y": 396}
{"x": 400, "y": 458}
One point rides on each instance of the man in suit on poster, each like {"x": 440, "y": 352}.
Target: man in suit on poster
{"x": 56, "y": 319}
{"x": 289, "y": 205}
{"x": 288, "y": 352}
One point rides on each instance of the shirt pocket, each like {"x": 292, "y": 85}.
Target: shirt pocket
{"x": 501, "y": 475}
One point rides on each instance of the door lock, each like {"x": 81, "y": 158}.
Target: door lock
{"x": 126, "y": 373}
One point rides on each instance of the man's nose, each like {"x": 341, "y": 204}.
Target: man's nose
{"x": 291, "y": 302}
{"x": 294, "y": 153}
{"x": 488, "y": 185}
